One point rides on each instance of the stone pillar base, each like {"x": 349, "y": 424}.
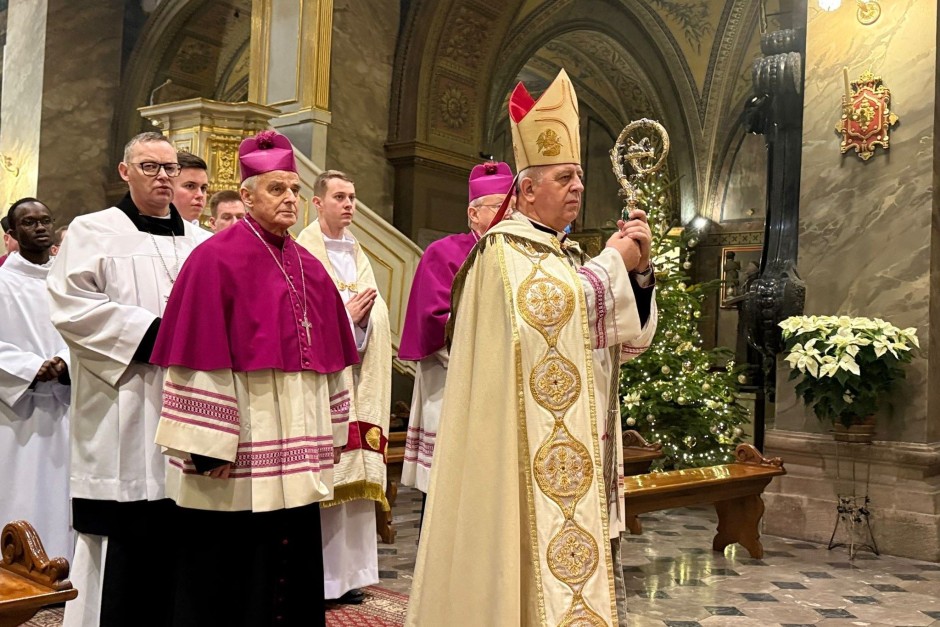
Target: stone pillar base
{"x": 904, "y": 489}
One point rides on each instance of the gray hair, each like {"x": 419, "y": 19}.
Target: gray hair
{"x": 249, "y": 183}
{"x": 143, "y": 138}
{"x": 533, "y": 172}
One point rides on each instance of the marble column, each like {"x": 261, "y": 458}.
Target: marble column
{"x": 60, "y": 79}
{"x": 290, "y": 69}
{"x": 869, "y": 247}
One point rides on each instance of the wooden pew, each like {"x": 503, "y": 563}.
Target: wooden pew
{"x": 638, "y": 454}
{"x": 394, "y": 454}
{"x": 29, "y": 580}
{"x": 734, "y": 489}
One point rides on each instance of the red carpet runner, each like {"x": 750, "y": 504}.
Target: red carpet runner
{"x": 381, "y": 608}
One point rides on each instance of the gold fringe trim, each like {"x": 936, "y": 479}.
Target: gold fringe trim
{"x": 356, "y": 491}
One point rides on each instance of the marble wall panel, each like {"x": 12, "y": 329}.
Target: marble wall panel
{"x": 20, "y": 112}
{"x": 865, "y": 227}
{"x": 364, "y": 36}
{"x": 80, "y": 88}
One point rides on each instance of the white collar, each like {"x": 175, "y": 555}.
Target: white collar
{"x": 17, "y": 263}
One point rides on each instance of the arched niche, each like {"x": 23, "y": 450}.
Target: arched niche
{"x": 457, "y": 61}
{"x": 200, "y": 46}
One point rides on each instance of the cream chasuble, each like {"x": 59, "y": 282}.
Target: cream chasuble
{"x": 361, "y": 470}
{"x": 518, "y": 522}
{"x": 34, "y": 419}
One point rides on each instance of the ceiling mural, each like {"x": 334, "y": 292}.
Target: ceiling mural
{"x": 692, "y": 25}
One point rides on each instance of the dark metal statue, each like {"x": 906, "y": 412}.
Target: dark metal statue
{"x": 776, "y": 112}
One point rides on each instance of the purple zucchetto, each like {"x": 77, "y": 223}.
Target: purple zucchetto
{"x": 490, "y": 178}
{"x": 265, "y": 152}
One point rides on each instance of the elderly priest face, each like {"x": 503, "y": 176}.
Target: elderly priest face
{"x": 271, "y": 199}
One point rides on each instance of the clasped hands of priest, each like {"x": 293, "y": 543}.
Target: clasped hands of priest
{"x": 632, "y": 241}
{"x": 51, "y": 370}
{"x": 360, "y": 306}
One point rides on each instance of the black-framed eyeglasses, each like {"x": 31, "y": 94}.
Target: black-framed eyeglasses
{"x": 32, "y": 223}
{"x": 151, "y": 168}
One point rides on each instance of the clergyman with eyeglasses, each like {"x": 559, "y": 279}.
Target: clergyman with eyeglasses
{"x": 109, "y": 286}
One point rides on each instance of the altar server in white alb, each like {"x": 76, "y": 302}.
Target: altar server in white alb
{"x": 109, "y": 286}
{"x": 350, "y": 549}
{"x": 34, "y": 387}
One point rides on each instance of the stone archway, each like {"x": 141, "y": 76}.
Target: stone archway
{"x": 201, "y": 46}
{"x": 458, "y": 60}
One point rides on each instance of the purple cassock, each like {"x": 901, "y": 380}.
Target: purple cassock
{"x": 231, "y": 308}
{"x": 429, "y": 303}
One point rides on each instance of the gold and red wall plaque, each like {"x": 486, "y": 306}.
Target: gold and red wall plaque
{"x": 866, "y": 115}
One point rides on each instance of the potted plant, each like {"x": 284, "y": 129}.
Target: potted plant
{"x": 846, "y": 366}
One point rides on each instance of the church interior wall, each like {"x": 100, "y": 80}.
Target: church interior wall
{"x": 867, "y": 248}
{"x": 80, "y": 85}
{"x": 364, "y": 39}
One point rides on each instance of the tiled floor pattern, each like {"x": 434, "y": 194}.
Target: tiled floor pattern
{"x": 675, "y": 579}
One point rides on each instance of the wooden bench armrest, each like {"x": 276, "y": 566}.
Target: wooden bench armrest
{"x": 633, "y": 439}
{"x": 24, "y": 555}
{"x": 746, "y": 453}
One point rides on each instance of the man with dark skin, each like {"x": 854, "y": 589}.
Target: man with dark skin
{"x": 31, "y": 225}
{"x": 34, "y": 386}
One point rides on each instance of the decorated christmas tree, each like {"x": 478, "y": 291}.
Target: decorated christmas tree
{"x": 677, "y": 393}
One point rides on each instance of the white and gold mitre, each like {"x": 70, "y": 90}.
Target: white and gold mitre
{"x": 545, "y": 131}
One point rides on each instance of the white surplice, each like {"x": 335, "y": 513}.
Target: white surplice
{"x": 108, "y": 283}
{"x": 426, "y": 400}
{"x": 350, "y": 545}
{"x": 199, "y": 233}
{"x": 34, "y": 421}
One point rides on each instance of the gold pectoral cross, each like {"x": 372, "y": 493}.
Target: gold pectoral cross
{"x": 306, "y": 325}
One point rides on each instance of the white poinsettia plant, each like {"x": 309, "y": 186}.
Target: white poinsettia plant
{"x": 847, "y": 365}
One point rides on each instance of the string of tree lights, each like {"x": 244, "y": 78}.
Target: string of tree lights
{"x": 677, "y": 393}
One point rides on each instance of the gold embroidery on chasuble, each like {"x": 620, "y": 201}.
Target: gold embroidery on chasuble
{"x": 581, "y": 615}
{"x": 563, "y": 466}
{"x": 525, "y": 249}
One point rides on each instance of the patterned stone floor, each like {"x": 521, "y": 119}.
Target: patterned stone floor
{"x": 675, "y": 579}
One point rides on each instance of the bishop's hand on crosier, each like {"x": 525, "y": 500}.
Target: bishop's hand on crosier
{"x": 637, "y": 228}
